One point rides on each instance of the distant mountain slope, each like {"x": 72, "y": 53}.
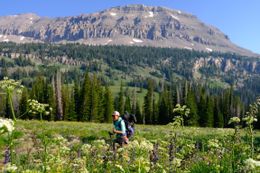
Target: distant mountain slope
{"x": 126, "y": 25}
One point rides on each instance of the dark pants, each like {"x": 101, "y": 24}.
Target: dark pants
{"x": 120, "y": 141}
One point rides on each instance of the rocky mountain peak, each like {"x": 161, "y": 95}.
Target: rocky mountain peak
{"x": 123, "y": 25}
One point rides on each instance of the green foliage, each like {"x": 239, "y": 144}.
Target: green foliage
{"x": 193, "y": 118}
{"x": 148, "y": 104}
{"x": 108, "y": 105}
{"x": 76, "y": 146}
{"x": 10, "y": 86}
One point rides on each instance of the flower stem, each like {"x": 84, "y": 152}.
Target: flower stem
{"x": 11, "y": 105}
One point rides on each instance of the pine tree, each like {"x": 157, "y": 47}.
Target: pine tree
{"x": 94, "y": 93}
{"x": 23, "y": 106}
{"x": 121, "y": 101}
{"x": 101, "y": 103}
{"x": 226, "y": 105}
{"x": 85, "y": 101}
{"x": 65, "y": 102}
{"x": 218, "y": 116}
{"x": 77, "y": 101}
{"x": 134, "y": 101}
{"x": 202, "y": 109}
{"x": 164, "y": 107}
{"x": 148, "y": 103}
{"x": 37, "y": 92}
{"x": 108, "y": 105}
{"x": 138, "y": 114}
{"x": 155, "y": 112}
{"x": 128, "y": 104}
{"x": 191, "y": 103}
{"x": 210, "y": 112}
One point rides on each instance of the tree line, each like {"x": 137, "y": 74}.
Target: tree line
{"x": 89, "y": 101}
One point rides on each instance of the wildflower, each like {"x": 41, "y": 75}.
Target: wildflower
{"x": 146, "y": 145}
{"x": 10, "y": 168}
{"x": 213, "y": 143}
{"x": 234, "y": 120}
{"x": 176, "y": 162}
{"x": 120, "y": 167}
{"x": 60, "y": 139}
{"x": 249, "y": 119}
{"x": 251, "y": 164}
{"x": 29, "y": 171}
{"x": 86, "y": 148}
{"x": 38, "y": 108}
{"x": 6, "y": 125}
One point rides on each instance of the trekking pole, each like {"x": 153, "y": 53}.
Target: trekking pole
{"x": 112, "y": 145}
{"x": 110, "y": 137}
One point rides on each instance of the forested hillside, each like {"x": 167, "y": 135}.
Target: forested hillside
{"x": 83, "y": 82}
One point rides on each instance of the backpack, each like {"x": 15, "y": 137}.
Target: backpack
{"x": 129, "y": 120}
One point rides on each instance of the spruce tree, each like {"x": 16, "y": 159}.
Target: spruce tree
{"x": 148, "y": 103}
{"x": 202, "y": 109}
{"x": 218, "y": 116}
{"x": 65, "y": 101}
{"x": 77, "y": 100}
{"x": 210, "y": 112}
{"x": 101, "y": 103}
{"x": 94, "y": 103}
{"x": 128, "y": 104}
{"x": 23, "y": 105}
{"x": 121, "y": 101}
{"x": 138, "y": 114}
{"x": 108, "y": 105}
{"x": 163, "y": 104}
{"x": 191, "y": 103}
{"x": 37, "y": 92}
{"x": 85, "y": 101}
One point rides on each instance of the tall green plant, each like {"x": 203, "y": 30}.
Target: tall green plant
{"x": 249, "y": 119}
{"x": 10, "y": 87}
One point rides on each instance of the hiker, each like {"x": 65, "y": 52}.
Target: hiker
{"x": 119, "y": 129}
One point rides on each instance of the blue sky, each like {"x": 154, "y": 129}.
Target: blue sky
{"x": 239, "y": 19}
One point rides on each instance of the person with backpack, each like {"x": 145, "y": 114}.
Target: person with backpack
{"x": 119, "y": 129}
{"x": 129, "y": 120}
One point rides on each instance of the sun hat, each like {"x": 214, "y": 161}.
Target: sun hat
{"x": 116, "y": 113}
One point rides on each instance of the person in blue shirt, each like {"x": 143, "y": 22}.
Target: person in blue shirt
{"x": 119, "y": 129}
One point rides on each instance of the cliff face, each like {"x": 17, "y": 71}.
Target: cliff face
{"x": 127, "y": 25}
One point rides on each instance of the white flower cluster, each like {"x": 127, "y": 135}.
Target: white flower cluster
{"x": 6, "y": 125}
{"x": 120, "y": 167}
{"x": 10, "y": 85}
{"x": 86, "y": 148}
{"x": 143, "y": 145}
{"x": 59, "y": 140}
{"x": 182, "y": 110}
{"x": 213, "y": 143}
{"x": 176, "y": 162}
{"x": 36, "y": 107}
{"x": 251, "y": 164}
{"x": 249, "y": 119}
{"x": 10, "y": 168}
{"x": 234, "y": 120}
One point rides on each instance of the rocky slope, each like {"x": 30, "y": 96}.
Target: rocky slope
{"x": 126, "y": 25}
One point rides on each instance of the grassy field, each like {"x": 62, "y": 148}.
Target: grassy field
{"x": 57, "y": 145}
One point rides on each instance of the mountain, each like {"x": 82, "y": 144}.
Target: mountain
{"x": 125, "y": 25}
